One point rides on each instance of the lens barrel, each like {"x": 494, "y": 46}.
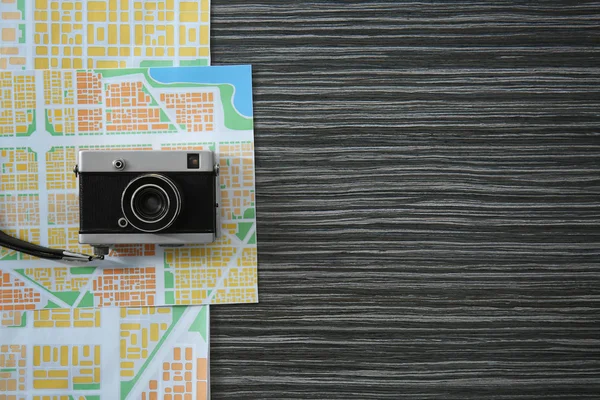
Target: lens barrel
{"x": 151, "y": 203}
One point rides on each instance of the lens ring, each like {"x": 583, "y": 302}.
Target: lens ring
{"x": 136, "y": 209}
{"x": 160, "y": 185}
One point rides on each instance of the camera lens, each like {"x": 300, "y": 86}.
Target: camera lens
{"x": 151, "y": 203}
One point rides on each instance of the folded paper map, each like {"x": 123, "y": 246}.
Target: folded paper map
{"x": 110, "y": 353}
{"x": 47, "y": 116}
{"x": 103, "y": 33}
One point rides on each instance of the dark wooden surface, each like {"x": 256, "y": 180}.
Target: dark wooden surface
{"x": 428, "y": 179}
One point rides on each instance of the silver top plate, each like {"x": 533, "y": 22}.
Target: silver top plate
{"x": 143, "y": 161}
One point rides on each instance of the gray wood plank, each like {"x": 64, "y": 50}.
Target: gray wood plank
{"x": 428, "y": 190}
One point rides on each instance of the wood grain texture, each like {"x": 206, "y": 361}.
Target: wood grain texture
{"x": 428, "y": 181}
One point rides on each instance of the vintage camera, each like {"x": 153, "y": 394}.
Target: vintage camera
{"x": 160, "y": 197}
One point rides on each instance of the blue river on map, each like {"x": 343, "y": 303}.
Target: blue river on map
{"x": 238, "y": 76}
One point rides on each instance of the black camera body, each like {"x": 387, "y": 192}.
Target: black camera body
{"x": 135, "y": 197}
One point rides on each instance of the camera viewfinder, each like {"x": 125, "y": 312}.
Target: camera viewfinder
{"x": 193, "y": 161}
